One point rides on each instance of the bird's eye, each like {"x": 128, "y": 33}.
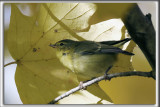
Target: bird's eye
{"x": 61, "y": 44}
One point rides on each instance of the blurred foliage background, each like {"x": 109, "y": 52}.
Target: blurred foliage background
{"x": 125, "y": 90}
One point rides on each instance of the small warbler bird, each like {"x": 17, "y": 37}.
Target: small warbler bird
{"x": 89, "y": 59}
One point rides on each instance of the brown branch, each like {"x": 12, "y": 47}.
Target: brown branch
{"x": 14, "y": 62}
{"x": 142, "y": 32}
{"x": 104, "y": 77}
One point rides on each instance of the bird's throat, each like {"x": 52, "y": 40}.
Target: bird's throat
{"x": 66, "y": 59}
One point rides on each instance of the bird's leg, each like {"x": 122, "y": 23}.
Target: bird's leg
{"x": 107, "y": 78}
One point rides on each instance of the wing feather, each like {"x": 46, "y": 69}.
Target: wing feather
{"x": 98, "y": 48}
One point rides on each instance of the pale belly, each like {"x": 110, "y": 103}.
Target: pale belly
{"x": 87, "y": 67}
{"x": 91, "y": 66}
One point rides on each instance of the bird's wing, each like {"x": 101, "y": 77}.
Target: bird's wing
{"x": 99, "y": 48}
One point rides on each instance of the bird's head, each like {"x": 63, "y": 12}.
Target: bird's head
{"x": 65, "y": 44}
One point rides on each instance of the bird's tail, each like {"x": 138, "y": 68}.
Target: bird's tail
{"x": 121, "y": 42}
{"x": 117, "y": 43}
{"x": 127, "y": 53}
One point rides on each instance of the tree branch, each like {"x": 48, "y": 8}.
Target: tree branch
{"x": 104, "y": 77}
{"x": 142, "y": 32}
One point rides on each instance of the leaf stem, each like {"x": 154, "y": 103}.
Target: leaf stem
{"x": 14, "y": 62}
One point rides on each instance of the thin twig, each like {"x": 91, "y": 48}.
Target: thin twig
{"x": 14, "y": 62}
{"x": 104, "y": 77}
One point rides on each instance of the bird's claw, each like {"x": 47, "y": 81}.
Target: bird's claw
{"x": 107, "y": 78}
{"x": 106, "y": 75}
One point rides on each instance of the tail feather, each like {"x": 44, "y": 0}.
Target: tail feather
{"x": 114, "y": 50}
{"x": 127, "y": 53}
{"x": 116, "y": 43}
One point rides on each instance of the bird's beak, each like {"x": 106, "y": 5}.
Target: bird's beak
{"x": 52, "y": 45}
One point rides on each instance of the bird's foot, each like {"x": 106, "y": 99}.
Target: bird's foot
{"x": 106, "y": 77}
{"x": 106, "y": 73}
{"x": 81, "y": 86}
{"x": 108, "y": 69}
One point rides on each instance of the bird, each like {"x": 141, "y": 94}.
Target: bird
{"x": 89, "y": 59}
